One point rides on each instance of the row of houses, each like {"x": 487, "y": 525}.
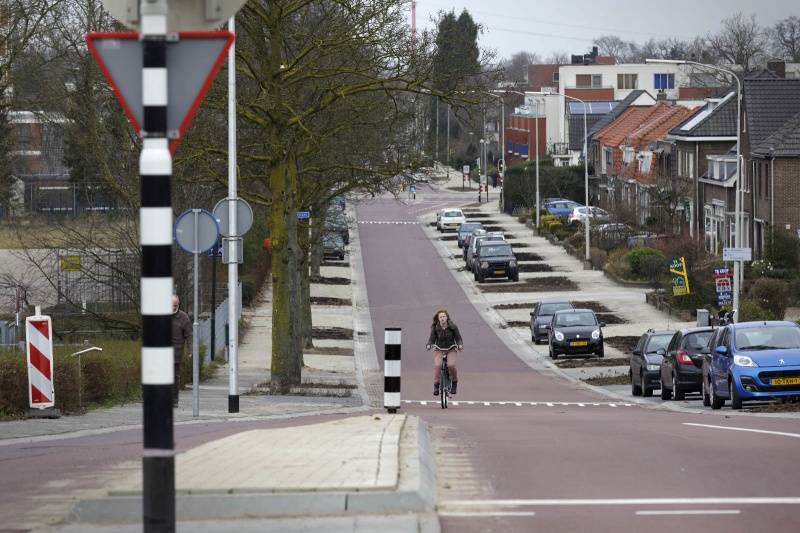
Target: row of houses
{"x": 667, "y": 157}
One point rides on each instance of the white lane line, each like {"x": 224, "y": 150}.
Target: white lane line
{"x": 533, "y": 404}
{"x": 518, "y": 404}
{"x": 727, "y": 501}
{"x": 488, "y": 513}
{"x": 688, "y": 512}
{"x": 781, "y": 433}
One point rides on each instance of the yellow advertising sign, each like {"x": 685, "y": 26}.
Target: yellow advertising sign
{"x": 71, "y": 263}
{"x": 679, "y": 277}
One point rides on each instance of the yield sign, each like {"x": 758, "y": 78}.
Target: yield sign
{"x": 192, "y": 62}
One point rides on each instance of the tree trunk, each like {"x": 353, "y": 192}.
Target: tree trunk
{"x": 305, "y": 285}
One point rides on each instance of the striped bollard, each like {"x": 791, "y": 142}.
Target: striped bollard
{"x": 391, "y": 369}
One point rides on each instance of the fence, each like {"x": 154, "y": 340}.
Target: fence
{"x": 220, "y": 321}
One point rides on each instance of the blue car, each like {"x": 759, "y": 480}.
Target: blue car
{"x": 561, "y": 208}
{"x": 751, "y": 361}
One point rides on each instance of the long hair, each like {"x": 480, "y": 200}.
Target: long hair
{"x": 436, "y": 316}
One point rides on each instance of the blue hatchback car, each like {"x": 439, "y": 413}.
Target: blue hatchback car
{"x": 751, "y": 361}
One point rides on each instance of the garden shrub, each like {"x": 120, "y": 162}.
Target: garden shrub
{"x": 750, "y": 310}
{"x": 599, "y": 258}
{"x": 618, "y": 263}
{"x": 771, "y": 295}
{"x": 554, "y": 226}
{"x": 545, "y": 220}
{"x": 635, "y": 257}
{"x": 654, "y": 268}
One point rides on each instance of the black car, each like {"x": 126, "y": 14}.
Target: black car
{"x": 575, "y": 332}
{"x": 645, "y": 366}
{"x": 465, "y": 229}
{"x": 495, "y": 259}
{"x": 332, "y": 246}
{"x": 542, "y": 314}
{"x": 682, "y": 366}
{"x": 336, "y": 222}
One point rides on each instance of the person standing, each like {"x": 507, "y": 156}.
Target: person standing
{"x": 444, "y": 333}
{"x": 182, "y": 336}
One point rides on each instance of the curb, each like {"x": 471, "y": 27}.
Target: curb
{"x": 415, "y": 492}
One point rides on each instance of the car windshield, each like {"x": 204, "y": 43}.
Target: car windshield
{"x": 453, "y": 214}
{"x": 550, "y": 309}
{"x": 768, "y": 338}
{"x": 657, "y": 342}
{"x": 468, "y": 227}
{"x": 697, "y": 341}
{"x": 494, "y": 251}
{"x": 576, "y": 319}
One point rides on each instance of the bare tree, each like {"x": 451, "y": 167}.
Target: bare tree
{"x": 784, "y": 40}
{"x": 516, "y": 67}
{"x": 614, "y": 45}
{"x": 741, "y": 42}
{"x": 558, "y": 57}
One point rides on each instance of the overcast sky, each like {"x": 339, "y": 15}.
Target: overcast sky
{"x": 544, "y": 27}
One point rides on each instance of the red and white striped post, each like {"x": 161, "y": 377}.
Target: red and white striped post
{"x": 39, "y": 343}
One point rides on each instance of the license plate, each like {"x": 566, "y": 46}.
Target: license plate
{"x": 453, "y": 224}
{"x": 499, "y": 271}
{"x": 579, "y": 343}
{"x": 328, "y": 252}
{"x": 785, "y": 381}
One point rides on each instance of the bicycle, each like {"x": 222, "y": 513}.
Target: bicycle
{"x": 444, "y": 380}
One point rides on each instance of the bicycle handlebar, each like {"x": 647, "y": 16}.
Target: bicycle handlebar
{"x": 436, "y": 346}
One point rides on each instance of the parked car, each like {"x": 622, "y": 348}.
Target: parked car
{"x": 645, "y": 364}
{"x": 561, "y": 207}
{"x": 476, "y": 241}
{"x": 451, "y": 219}
{"x": 578, "y": 215}
{"x": 646, "y": 239}
{"x": 542, "y": 314}
{"x": 611, "y": 234}
{"x": 495, "y": 259}
{"x": 682, "y": 367}
{"x": 468, "y": 240}
{"x": 332, "y": 246}
{"x": 751, "y": 361}
{"x": 336, "y": 222}
{"x": 575, "y": 332}
{"x": 465, "y": 229}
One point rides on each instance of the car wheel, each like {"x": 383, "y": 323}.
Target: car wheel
{"x": 475, "y": 275}
{"x": 636, "y": 390}
{"x": 678, "y": 393}
{"x": 601, "y": 354}
{"x": 646, "y": 392}
{"x": 481, "y": 277}
{"x": 666, "y": 394}
{"x": 515, "y": 277}
{"x": 553, "y": 354}
{"x": 716, "y": 401}
{"x": 706, "y": 397}
{"x": 736, "y": 403}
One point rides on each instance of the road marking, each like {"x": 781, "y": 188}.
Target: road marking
{"x": 728, "y": 501}
{"x": 397, "y": 222}
{"x": 688, "y": 512}
{"x": 488, "y": 513}
{"x": 521, "y": 404}
{"x": 781, "y": 433}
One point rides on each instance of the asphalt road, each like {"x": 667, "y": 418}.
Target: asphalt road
{"x": 572, "y": 461}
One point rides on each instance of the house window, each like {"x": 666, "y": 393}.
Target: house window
{"x": 627, "y": 81}
{"x": 645, "y": 158}
{"x": 23, "y": 137}
{"x": 555, "y": 77}
{"x": 664, "y": 81}
{"x": 627, "y": 155}
{"x": 589, "y": 80}
{"x": 608, "y": 157}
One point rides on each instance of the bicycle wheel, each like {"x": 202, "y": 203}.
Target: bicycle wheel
{"x": 444, "y": 385}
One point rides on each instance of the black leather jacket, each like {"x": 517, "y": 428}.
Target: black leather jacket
{"x": 445, "y": 337}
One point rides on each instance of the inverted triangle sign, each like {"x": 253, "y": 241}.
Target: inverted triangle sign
{"x": 192, "y": 62}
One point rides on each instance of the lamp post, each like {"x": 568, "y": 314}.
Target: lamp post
{"x": 738, "y": 216}
{"x": 588, "y": 255}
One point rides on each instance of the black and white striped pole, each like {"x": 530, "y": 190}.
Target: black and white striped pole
{"x": 391, "y": 369}
{"x": 155, "y": 169}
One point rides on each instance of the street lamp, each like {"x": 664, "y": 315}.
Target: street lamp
{"x": 588, "y": 255}
{"x": 738, "y": 216}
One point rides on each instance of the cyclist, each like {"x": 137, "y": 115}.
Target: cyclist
{"x": 444, "y": 333}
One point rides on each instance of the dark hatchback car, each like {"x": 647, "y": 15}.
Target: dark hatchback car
{"x": 541, "y": 316}
{"x": 575, "y": 332}
{"x": 495, "y": 259}
{"x": 645, "y": 366}
{"x": 465, "y": 229}
{"x": 332, "y": 246}
{"x": 682, "y": 365}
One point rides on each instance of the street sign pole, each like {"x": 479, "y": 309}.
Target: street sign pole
{"x": 233, "y": 266}
{"x": 155, "y": 169}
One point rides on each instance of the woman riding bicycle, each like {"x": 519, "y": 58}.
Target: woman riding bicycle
{"x": 444, "y": 333}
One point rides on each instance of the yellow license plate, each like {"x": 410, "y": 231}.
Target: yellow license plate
{"x": 785, "y": 381}
{"x": 499, "y": 271}
{"x": 579, "y": 343}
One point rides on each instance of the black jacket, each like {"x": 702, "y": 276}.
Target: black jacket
{"x": 445, "y": 337}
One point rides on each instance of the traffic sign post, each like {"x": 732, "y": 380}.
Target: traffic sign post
{"x": 156, "y": 21}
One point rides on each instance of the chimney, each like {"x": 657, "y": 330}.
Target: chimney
{"x": 778, "y": 67}
{"x": 661, "y": 96}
